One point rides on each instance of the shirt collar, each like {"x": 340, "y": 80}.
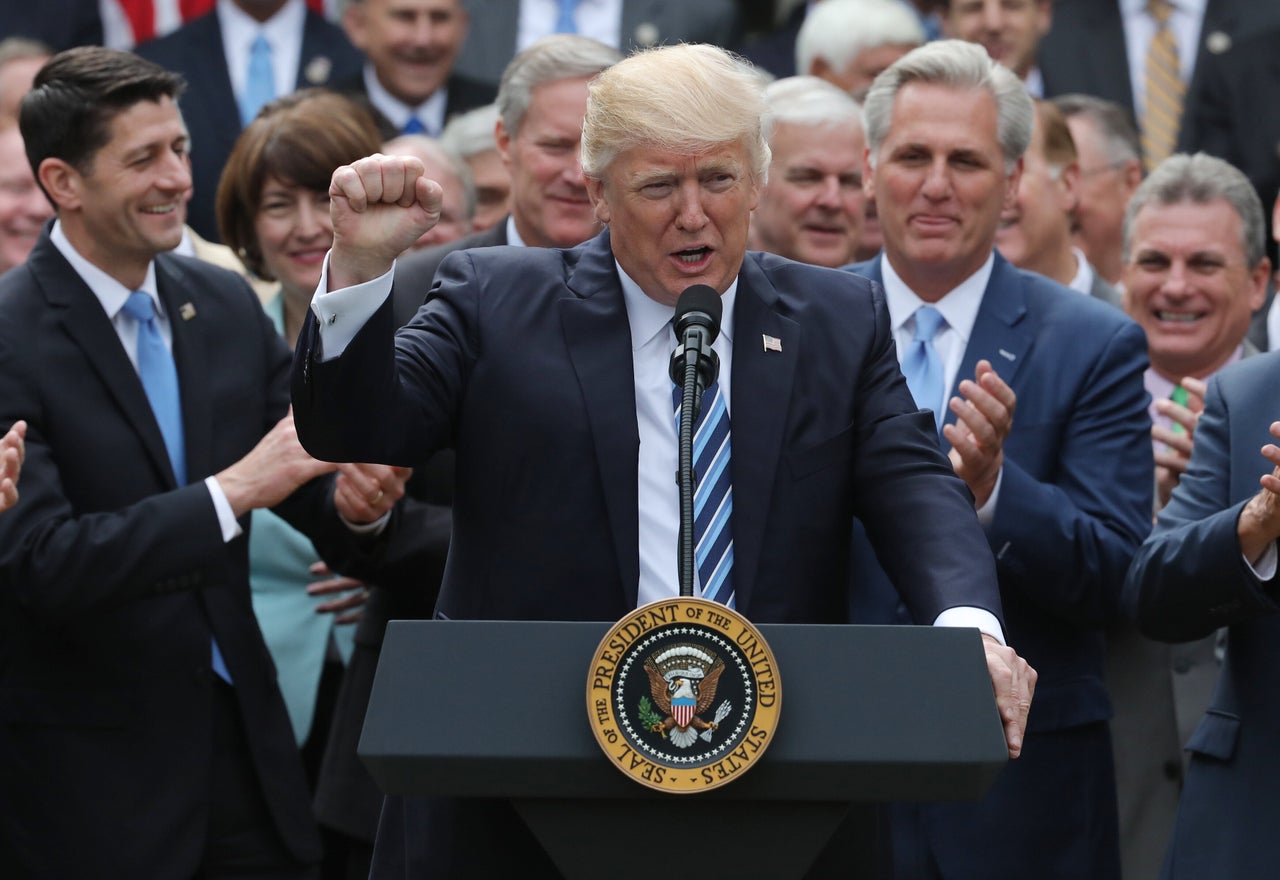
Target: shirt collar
{"x": 513, "y": 234}
{"x": 110, "y": 292}
{"x": 430, "y": 112}
{"x": 1083, "y": 279}
{"x": 648, "y": 317}
{"x": 959, "y": 307}
{"x": 241, "y": 27}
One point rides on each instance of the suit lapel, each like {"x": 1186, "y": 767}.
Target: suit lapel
{"x": 761, "y": 394}
{"x": 997, "y": 333}
{"x": 596, "y": 330}
{"x": 89, "y": 327}
{"x": 206, "y": 43}
{"x": 191, "y": 358}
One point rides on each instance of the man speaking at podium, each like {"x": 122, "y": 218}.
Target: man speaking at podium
{"x": 547, "y": 371}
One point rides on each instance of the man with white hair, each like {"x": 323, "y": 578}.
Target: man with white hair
{"x": 1063, "y": 491}
{"x": 547, "y": 370}
{"x": 848, "y": 42}
{"x": 812, "y": 207}
{"x": 454, "y": 177}
{"x": 470, "y": 136}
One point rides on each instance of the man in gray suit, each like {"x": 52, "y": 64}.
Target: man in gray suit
{"x": 1194, "y": 271}
{"x": 1035, "y": 230}
{"x": 510, "y": 27}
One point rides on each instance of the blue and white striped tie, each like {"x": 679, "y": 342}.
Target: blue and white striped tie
{"x": 713, "y": 497}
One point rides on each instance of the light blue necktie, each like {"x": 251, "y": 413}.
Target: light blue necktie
{"x": 564, "y": 22}
{"x": 260, "y": 86}
{"x": 414, "y": 126}
{"x": 159, "y": 376}
{"x": 922, "y": 367}
{"x": 713, "y": 497}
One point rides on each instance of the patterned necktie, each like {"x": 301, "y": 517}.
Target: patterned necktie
{"x": 564, "y": 21}
{"x": 260, "y": 85}
{"x": 159, "y": 376}
{"x": 713, "y": 497}
{"x": 1165, "y": 89}
{"x": 922, "y": 366}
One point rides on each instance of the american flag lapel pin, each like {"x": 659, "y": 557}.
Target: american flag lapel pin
{"x": 187, "y": 311}
{"x": 772, "y": 343}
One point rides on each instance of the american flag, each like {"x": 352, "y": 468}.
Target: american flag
{"x": 126, "y": 23}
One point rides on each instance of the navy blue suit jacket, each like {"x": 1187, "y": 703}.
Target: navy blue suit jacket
{"x": 521, "y": 360}
{"x": 1074, "y": 503}
{"x": 208, "y": 105}
{"x": 1189, "y": 579}
{"x": 113, "y": 577}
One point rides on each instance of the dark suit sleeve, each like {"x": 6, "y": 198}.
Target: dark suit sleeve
{"x": 917, "y": 513}
{"x": 1064, "y": 544}
{"x": 391, "y": 398}
{"x": 1190, "y": 578}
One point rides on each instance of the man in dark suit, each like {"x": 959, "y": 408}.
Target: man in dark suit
{"x": 1210, "y": 563}
{"x": 1063, "y": 489}
{"x": 1114, "y": 36}
{"x": 142, "y": 733}
{"x": 541, "y": 104}
{"x": 214, "y": 54}
{"x": 1231, "y": 113}
{"x": 628, "y": 25}
{"x": 408, "y": 78}
{"x": 59, "y": 24}
{"x": 567, "y": 351}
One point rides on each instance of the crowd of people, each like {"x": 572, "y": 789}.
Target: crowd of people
{"x": 1011, "y": 261}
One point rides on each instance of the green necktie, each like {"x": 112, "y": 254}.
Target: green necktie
{"x": 1179, "y": 396}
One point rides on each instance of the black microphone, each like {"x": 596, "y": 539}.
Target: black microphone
{"x": 697, "y": 324}
{"x": 694, "y": 366}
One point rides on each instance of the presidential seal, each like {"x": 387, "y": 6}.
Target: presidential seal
{"x": 683, "y": 695}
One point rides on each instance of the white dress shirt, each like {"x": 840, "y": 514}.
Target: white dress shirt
{"x": 1185, "y": 21}
{"x": 1082, "y": 282}
{"x": 430, "y": 112}
{"x": 341, "y": 313}
{"x": 598, "y": 19}
{"x": 283, "y": 32}
{"x": 113, "y": 295}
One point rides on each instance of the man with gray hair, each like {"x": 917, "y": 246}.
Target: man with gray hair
{"x": 1110, "y": 170}
{"x": 20, "y": 59}
{"x": 1194, "y": 271}
{"x": 811, "y": 207}
{"x": 541, "y": 102}
{"x": 1063, "y": 491}
{"x": 547, "y": 370}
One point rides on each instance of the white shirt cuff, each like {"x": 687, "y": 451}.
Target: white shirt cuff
{"x": 373, "y": 528}
{"x": 979, "y": 618}
{"x": 226, "y": 516}
{"x": 1265, "y": 570}
{"x": 987, "y": 512}
{"x": 341, "y": 313}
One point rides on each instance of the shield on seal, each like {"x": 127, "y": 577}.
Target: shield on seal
{"x": 682, "y": 709}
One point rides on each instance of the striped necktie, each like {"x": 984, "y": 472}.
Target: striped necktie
{"x": 1165, "y": 90}
{"x": 713, "y": 497}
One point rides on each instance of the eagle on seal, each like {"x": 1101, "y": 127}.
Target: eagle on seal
{"x": 682, "y": 695}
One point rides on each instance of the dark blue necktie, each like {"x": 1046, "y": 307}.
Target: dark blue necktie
{"x": 713, "y": 498}
{"x": 159, "y": 376}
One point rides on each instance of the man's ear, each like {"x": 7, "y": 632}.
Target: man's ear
{"x": 353, "y": 22}
{"x": 595, "y": 192}
{"x": 62, "y": 182}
